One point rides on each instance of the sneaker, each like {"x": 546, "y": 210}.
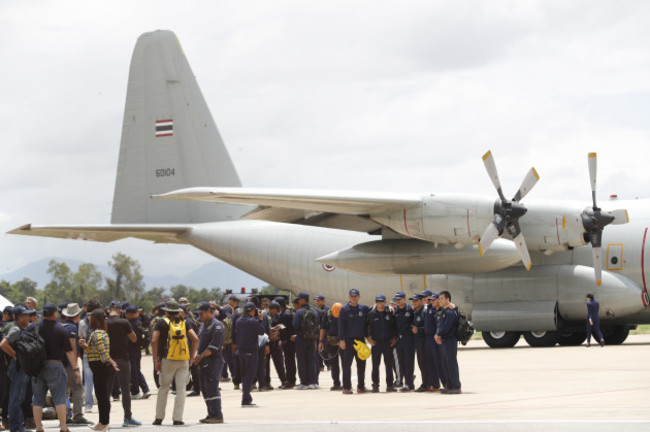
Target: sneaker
{"x": 313, "y": 387}
{"x": 157, "y": 422}
{"x": 249, "y": 405}
{"x": 602, "y": 343}
{"x": 236, "y": 387}
{"x": 80, "y": 420}
{"x": 131, "y": 422}
{"x": 146, "y": 395}
{"x": 405, "y": 390}
{"x": 375, "y": 388}
{"x": 335, "y": 387}
{"x": 193, "y": 394}
{"x": 211, "y": 420}
{"x": 225, "y": 379}
{"x": 362, "y": 390}
{"x": 178, "y": 423}
{"x": 453, "y": 391}
{"x": 390, "y": 389}
{"x": 421, "y": 389}
{"x": 136, "y": 396}
{"x": 88, "y": 410}
{"x": 116, "y": 398}
{"x": 347, "y": 391}
{"x": 434, "y": 389}
{"x": 286, "y": 386}
{"x": 301, "y": 387}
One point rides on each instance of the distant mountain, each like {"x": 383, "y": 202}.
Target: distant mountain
{"x": 213, "y": 274}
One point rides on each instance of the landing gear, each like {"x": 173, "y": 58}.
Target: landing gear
{"x": 572, "y": 339}
{"x": 539, "y": 339}
{"x": 501, "y": 339}
{"x": 615, "y": 335}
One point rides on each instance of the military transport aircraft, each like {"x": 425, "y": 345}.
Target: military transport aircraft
{"x": 512, "y": 268}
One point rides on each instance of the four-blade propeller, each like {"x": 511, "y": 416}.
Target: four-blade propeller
{"x": 594, "y": 220}
{"x": 507, "y": 213}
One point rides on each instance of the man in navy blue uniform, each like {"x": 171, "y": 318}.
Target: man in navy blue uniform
{"x": 382, "y": 336}
{"x": 593, "y": 321}
{"x": 210, "y": 361}
{"x": 446, "y": 338}
{"x": 287, "y": 340}
{"x": 322, "y": 313}
{"x": 433, "y": 355}
{"x": 329, "y": 343}
{"x": 275, "y": 347}
{"x": 305, "y": 346}
{"x": 417, "y": 328}
{"x": 248, "y": 328}
{"x": 352, "y": 327}
{"x": 405, "y": 347}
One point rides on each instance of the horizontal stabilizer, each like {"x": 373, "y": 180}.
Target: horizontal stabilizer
{"x": 108, "y": 233}
{"x": 354, "y": 203}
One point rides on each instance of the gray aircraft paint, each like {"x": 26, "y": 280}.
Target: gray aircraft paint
{"x": 162, "y": 87}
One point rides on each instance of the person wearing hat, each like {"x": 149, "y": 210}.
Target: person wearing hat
{"x": 329, "y": 344}
{"x": 232, "y": 311}
{"x": 382, "y": 337}
{"x": 405, "y": 347}
{"x": 52, "y": 376}
{"x": 417, "y": 328}
{"x": 446, "y": 338}
{"x": 352, "y": 327}
{"x": 276, "y": 354}
{"x": 322, "y": 313}
{"x": 120, "y": 333}
{"x": 171, "y": 356}
{"x": 70, "y": 323}
{"x": 190, "y": 324}
{"x": 287, "y": 340}
{"x": 17, "y": 378}
{"x": 134, "y": 349}
{"x": 247, "y": 330}
{"x": 209, "y": 359}
{"x": 593, "y": 321}
{"x": 306, "y": 322}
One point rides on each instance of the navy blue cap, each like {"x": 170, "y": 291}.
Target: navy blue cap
{"x": 380, "y": 298}
{"x": 131, "y": 309}
{"x": 8, "y": 309}
{"x": 274, "y": 305}
{"x": 416, "y": 296}
{"x": 354, "y": 292}
{"x": 19, "y": 310}
{"x": 427, "y": 293}
{"x": 203, "y": 306}
{"x": 303, "y": 295}
{"x": 233, "y": 297}
{"x": 319, "y": 297}
{"x": 399, "y": 295}
{"x": 115, "y": 304}
{"x": 63, "y": 305}
{"x": 50, "y": 307}
{"x": 183, "y": 306}
{"x": 249, "y": 306}
{"x": 280, "y": 300}
{"x": 30, "y": 312}
{"x": 433, "y": 296}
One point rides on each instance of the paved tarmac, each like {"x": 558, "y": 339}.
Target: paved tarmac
{"x": 522, "y": 388}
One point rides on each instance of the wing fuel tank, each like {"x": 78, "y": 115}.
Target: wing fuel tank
{"x": 410, "y": 256}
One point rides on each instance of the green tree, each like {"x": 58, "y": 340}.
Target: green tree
{"x": 179, "y": 291}
{"x": 59, "y": 287}
{"x": 128, "y": 282}
{"x": 86, "y": 284}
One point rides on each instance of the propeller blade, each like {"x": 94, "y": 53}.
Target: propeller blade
{"x": 520, "y": 243}
{"x": 620, "y": 217}
{"x": 529, "y": 181}
{"x": 593, "y": 168}
{"x": 598, "y": 265}
{"x": 491, "y": 168}
{"x": 490, "y": 234}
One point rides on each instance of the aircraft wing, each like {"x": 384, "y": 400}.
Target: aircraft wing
{"x": 162, "y": 233}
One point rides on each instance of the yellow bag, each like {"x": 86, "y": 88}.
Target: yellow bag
{"x": 363, "y": 352}
{"x": 178, "y": 348}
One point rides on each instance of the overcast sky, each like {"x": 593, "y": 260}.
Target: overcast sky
{"x": 353, "y": 95}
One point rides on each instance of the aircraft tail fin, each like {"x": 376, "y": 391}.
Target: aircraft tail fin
{"x": 169, "y": 140}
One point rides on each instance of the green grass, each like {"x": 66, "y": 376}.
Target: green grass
{"x": 642, "y": 329}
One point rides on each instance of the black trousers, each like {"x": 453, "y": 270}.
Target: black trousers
{"x": 277, "y": 355}
{"x": 103, "y": 381}
{"x": 248, "y": 370}
{"x": 379, "y": 349}
{"x": 289, "y": 349}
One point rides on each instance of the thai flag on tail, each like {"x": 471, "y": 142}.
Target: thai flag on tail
{"x": 164, "y": 128}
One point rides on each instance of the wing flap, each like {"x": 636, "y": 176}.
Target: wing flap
{"x": 108, "y": 233}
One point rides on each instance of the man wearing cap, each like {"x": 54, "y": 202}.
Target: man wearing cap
{"x": 287, "y": 337}
{"x": 352, "y": 328}
{"x": 593, "y": 321}
{"x": 275, "y": 347}
{"x": 120, "y": 333}
{"x": 53, "y": 377}
{"x": 322, "y": 312}
{"x": 405, "y": 347}
{"x": 209, "y": 360}
{"x": 446, "y": 338}
{"x": 17, "y": 378}
{"x": 248, "y": 328}
{"x": 329, "y": 343}
{"x": 171, "y": 369}
{"x": 417, "y": 328}
{"x": 382, "y": 337}
{"x": 433, "y": 356}
{"x": 190, "y": 324}
{"x": 305, "y": 347}
{"x": 75, "y": 389}
{"x": 135, "y": 355}
{"x": 233, "y": 312}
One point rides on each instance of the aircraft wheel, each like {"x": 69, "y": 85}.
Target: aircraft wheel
{"x": 501, "y": 339}
{"x": 572, "y": 339}
{"x": 616, "y": 335}
{"x": 539, "y": 339}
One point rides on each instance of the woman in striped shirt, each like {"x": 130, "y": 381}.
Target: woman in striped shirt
{"x": 102, "y": 365}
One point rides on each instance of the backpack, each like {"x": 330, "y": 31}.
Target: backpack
{"x": 227, "y": 330}
{"x": 309, "y": 327}
{"x": 30, "y": 351}
{"x": 464, "y": 329}
{"x": 177, "y": 346}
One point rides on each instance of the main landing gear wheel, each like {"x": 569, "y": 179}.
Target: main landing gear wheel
{"x": 572, "y": 339}
{"x": 615, "y": 335}
{"x": 540, "y": 339}
{"x": 501, "y": 339}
